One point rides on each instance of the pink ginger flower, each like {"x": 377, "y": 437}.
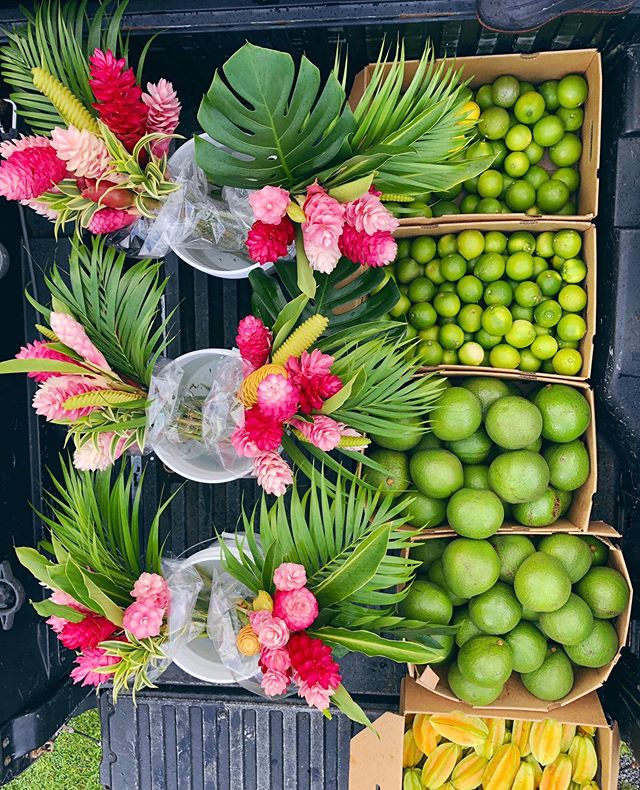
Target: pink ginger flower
{"x": 39, "y": 349}
{"x": 51, "y": 395}
{"x": 42, "y": 208}
{"x": 89, "y": 661}
{"x": 254, "y": 341}
{"x": 85, "y": 154}
{"x": 143, "y": 619}
{"x": 316, "y": 695}
{"x": 89, "y": 632}
{"x": 298, "y": 608}
{"x": 322, "y": 229}
{"x": 243, "y": 444}
{"x": 277, "y": 659}
{"x": 273, "y": 632}
{"x": 367, "y": 214}
{"x": 259, "y": 619}
{"x": 152, "y": 588}
{"x": 21, "y": 143}
{"x": 289, "y": 576}
{"x": 269, "y": 204}
{"x": 323, "y": 432}
{"x": 56, "y": 623}
{"x": 72, "y": 334}
{"x": 274, "y": 683}
{"x": 266, "y": 243}
{"x": 273, "y": 472}
{"x": 29, "y": 172}
{"x": 265, "y": 431}
{"x": 100, "y": 452}
{"x": 313, "y": 363}
{"x": 278, "y": 397}
{"x": 64, "y": 599}
{"x": 378, "y": 249}
{"x": 163, "y": 116}
{"x": 106, "y": 220}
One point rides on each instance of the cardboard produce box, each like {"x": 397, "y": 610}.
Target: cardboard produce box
{"x": 375, "y": 761}
{"x": 515, "y": 696}
{"x": 534, "y": 67}
{"x": 534, "y": 226}
{"x": 578, "y": 517}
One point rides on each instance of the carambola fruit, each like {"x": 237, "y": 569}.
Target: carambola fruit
{"x": 494, "y": 739}
{"x": 411, "y": 779}
{"x": 411, "y": 755}
{"x": 545, "y": 740}
{"x": 537, "y": 768}
{"x": 520, "y": 732}
{"x": 557, "y": 775}
{"x": 459, "y": 728}
{"x": 502, "y": 768}
{"x": 584, "y": 760}
{"x": 525, "y": 778}
{"x": 468, "y": 773}
{"x": 425, "y": 736}
{"x": 568, "y": 733}
{"x": 440, "y": 764}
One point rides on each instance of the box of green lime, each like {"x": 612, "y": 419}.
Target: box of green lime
{"x": 504, "y": 295}
{"x": 500, "y": 453}
{"x": 539, "y": 620}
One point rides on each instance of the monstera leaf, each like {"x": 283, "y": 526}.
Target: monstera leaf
{"x": 272, "y": 126}
{"x": 345, "y": 296}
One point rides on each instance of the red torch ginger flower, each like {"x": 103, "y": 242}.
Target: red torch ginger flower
{"x": 378, "y": 249}
{"x": 254, "y": 341}
{"x": 312, "y": 662}
{"x": 106, "y": 220}
{"x": 89, "y": 632}
{"x": 29, "y": 172}
{"x": 266, "y": 243}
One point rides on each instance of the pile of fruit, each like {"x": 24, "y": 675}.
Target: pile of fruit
{"x": 456, "y": 751}
{"x": 493, "y": 454}
{"x": 488, "y": 298}
{"x": 538, "y": 607}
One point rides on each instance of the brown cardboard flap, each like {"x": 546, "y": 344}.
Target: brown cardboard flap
{"x": 375, "y": 760}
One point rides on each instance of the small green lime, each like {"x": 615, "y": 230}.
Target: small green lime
{"x": 505, "y": 91}
{"x": 548, "y": 130}
{"x": 554, "y": 678}
{"x": 493, "y": 123}
{"x": 544, "y": 244}
{"x": 449, "y": 357}
{"x": 444, "y": 208}
{"x": 539, "y": 265}
{"x": 605, "y": 591}
{"x": 529, "y": 107}
{"x": 574, "y": 554}
{"x": 475, "y": 513}
{"x": 572, "y": 91}
{"x": 428, "y": 551}
{"x": 528, "y": 293}
{"x": 567, "y": 243}
{"x": 432, "y": 271}
{"x": 487, "y": 389}
{"x": 534, "y": 152}
{"x": 447, "y": 304}
{"x": 470, "y": 317}
{"x": 521, "y": 334}
{"x": 423, "y": 249}
{"x": 422, "y": 315}
{"x": 598, "y": 649}
{"x": 471, "y": 693}
{"x": 544, "y": 347}
{"x": 421, "y": 290}
{"x": 451, "y": 337}
{"x": 521, "y": 241}
{"x": 498, "y": 292}
{"x": 536, "y": 176}
{"x": 406, "y": 269}
{"x": 469, "y": 204}
{"x": 571, "y": 327}
{"x": 547, "y": 313}
{"x": 550, "y": 282}
{"x": 483, "y": 97}
{"x": 489, "y": 267}
{"x": 518, "y": 137}
{"x": 566, "y": 151}
{"x": 571, "y": 118}
{"x": 426, "y": 602}
{"x": 567, "y": 362}
{"x": 519, "y": 476}
{"x": 497, "y": 320}
{"x": 470, "y": 567}
{"x": 542, "y": 583}
{"x": 453, "y": 266}
{"x": 485, "y": 660}
{"x": 519, "y": 266}
{"x": 569, "y": 175}
{"x": 436, "y": 473}
{"x": 512, "y": 551}
{"x": 574, "y": 270}
{"x": 489, "y": 206}
{"x": 487, "y": 340}
{"x": 516, "y": 164}
{"x": 489, "y": 186}
{"x": 469, "y": 289}
{"x": 500, "y": 151}
{"x": 457, "y": 415}
{"x": 401, "y": 307}
{"x": 447, "y": 244}
{"x": 528, "y": 362}
{"x": 528, "y": 647}
{"x": 549, "y": 91}
{"x": 573, "y": 299}
{"x": 471, "y": 353}
{"x": 496, "y": 611}
{"x": 476, "y": 476}
{"x": 430, "y": 352}
{"x": 504, "y": 356}
{"x": 552, "y": 195}
{"x": 520, "y": 196}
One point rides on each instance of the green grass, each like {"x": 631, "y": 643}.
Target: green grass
{"x": 74, "y": 762}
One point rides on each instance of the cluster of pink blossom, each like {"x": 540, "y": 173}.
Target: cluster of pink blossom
{"x": 286, "y": 399}
{"x": 287, "y": 654}
{"x": 144, "y": 618}
{"x": 361, "y": 229}
{"x": 35, "y": 165}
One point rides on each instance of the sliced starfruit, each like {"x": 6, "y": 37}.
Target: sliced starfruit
{"x": 520, "y": 733}
{"x": 411, "y": 754}
{"x": 568, "y": 734}
{"x": 502, "y": 768}
{"x": 440, "y": 764}
{"x": 584, "y": 759}
{"x": 545, "y": 740}
{"x": 411, "y": 779}
{"x": 537, "y": 768}
{"x": 525, "y": 778}
{"x": 557, "y": 775}
{"x": 494, "y": 739}
{"x": 425, "y": 736}
{"x": 459, "y": 728}
{"x": 467, "y": 775}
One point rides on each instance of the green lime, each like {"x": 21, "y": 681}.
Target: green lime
{"x": 404, "y": 248}
{"x": 428, "y": 441}
{"x": 470, "y": 567}
{"x": 544, "y": 244}
{"x": 487, "y": 340}
{"x": 528, "y": 293}
{"x": 451, "y": 193}
{"x": 495, "y": 241}
{"x": 541, "y": 511}
{"x": 573, "y": 271}
{"x": 599, "y": 550}
{"x": 436, "y": 575}
{"x": 528, "y": 362}
{"x": 489, "y": 267}
{"x": 396, "y": 478}
{"x": 427, "y": 551}
{"x": 432, "y": 271}
{"x": 567, "y": 151}
{"x": 498, "y": 292}
{"x": 457, "y": 415}
{"x": 605, "y": 591}
{"x": 401, "y": 307}
{"x": 567, "y": 244}
{"x": 549, "y": 282}
{"x": 567, "y": 362}
{"x": 493, "y": 123}
{"x": 571, "y": 118}
{"x": 571, "y": 327}
{"x": 483, "y": 97}
{"x": 421, "y": 290}
{"x": 471, "y": 186}
{"x": 549, "y": 91}
{"x": 404, "y": 440}
{"x": 548, "y": 131}
{"x": 470, "y": 317}
{"x": 497, "y": 320}
{"x": 516, "y": 164}
{"x": 473, "y": 449}
{"x": 449, "y": 357}
{"x": 536, "y": 176}
{"x": 471, "y": 353}
{"x": 426, "y": 602}
{"x": 521, "y": 334}
{"x": 475, "y": 513}
{"x": 528, "y": 647}
{"x": 530, "y": 615}
{"x": 547, "y": 313}
{"x": 469, "y": 204}
{"x": 552, "y": 195}
{"x": 496, "y": 611}
{"x": 520, "y": 196}
{"x": 451, "y": 337}
{"x": 571, "y": 551}
{"x": 518, "y": 137}
{"x": 485, "y": 661}
{"x": 570, "y": 624}
{"x": 436, "y": 473}
{"x": 423, "y": 249}
{"x": 565, "y": 412}
{"x": 553, "y": 680}
{"x": 476, "y": 476}
{"x": 422, "y": 315}
{"x": 416, "y": 209}
{"x": 423, "y": 511}
{"x": 447, "y": 244}
{"x": 541, "y": 583}
{"x": 470, "y": 289}
{"x": 471, "y": 693}
{"x": 487, "y": 389}
{"x": 505, "y": 91}
{"x": 519, "y": 266}
{"x": 512, "y": 551}
{"x": 513, "y": 422}
{"x": 445, "y": 207}
{"x": 544, "y": 347}
{"x": 479, "y": 149}
{"x": 572, "y": 91}
{"x": 430, "y": 352}
{"x": 521, "y": 241}
{"x": 573, "y": 299}
{"x": 499, "y": 152}
{"x": 568, "y": 465}
{"x": 599, "y": 647}
{"x": 489, "y": 206}
{"x": 569, "y": 175}
{"x": 465, "y": 627}
{"x": 519, "y": 476}
{"x": 530, "y": 107}
{"x": 504, "y": 356}
{"x": 557, "y": 262}
{"x": 447, "y": 304}
{"x": 489, "y": 186}
{"x": 534, "y": 152}
{"x": 525, "y": 87}
{"x": 539, "y": 265}
{"x": 406, "y": 270}
{"x": 470, "y": 243}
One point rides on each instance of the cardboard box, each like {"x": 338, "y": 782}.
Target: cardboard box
{"x": 534, "y": 67}
{"x": 578, "y": 516}
{"x": 515, "y": 696}
{"x": 588, "y": 254}
{"x": 375, "y": 761}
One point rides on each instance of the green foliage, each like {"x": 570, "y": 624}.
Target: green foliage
{"x": 138, "y": 659}
{"x": 59, "y": 36}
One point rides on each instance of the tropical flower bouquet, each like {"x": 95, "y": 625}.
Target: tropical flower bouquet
{"x": 112, "y": 598}
{"x": 97, "y": 157}
{"x": 102, "y": 337}
{"x": 322, "y": 574}
{"x": 322, "y": 169}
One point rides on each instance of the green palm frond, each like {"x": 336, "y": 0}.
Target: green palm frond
{"x": 60, "y": 37}
{"x": 119, "y": 306}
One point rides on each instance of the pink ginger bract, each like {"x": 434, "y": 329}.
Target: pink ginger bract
{"x": 30, "y": 172}
{"x": 278, "y": 397}
{"x": 51, "y": 395}
{"x": 72, "y": 334}
{"x": 40, "y": 349}
{"x": 88, "y": 662}
{"x": 106, "y": 220}
{"x": 298, "y": 608}
{"x": 269, "y": 204}
{"x": 163, "y": 112}
{"x": 143, "y": 619}
{"x": 254, "y": 341}
{"x": 273, "y": 472}
{"x": 85, "y": 154}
